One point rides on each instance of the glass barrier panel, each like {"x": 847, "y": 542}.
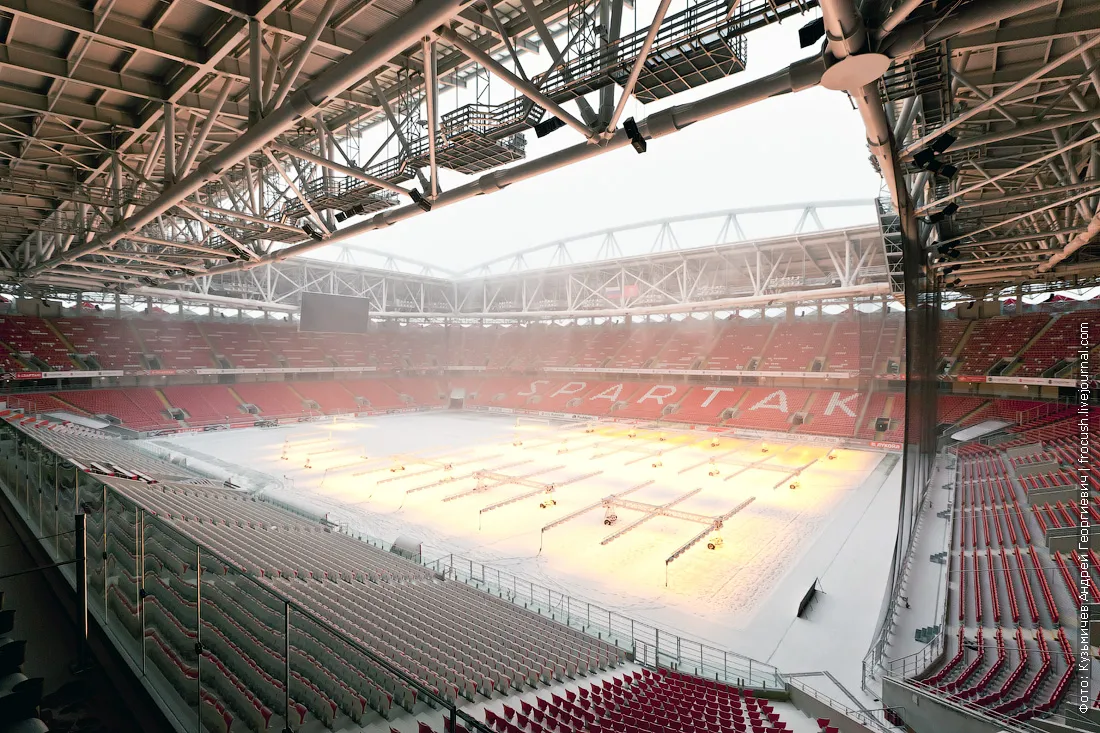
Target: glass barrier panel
{"x": 243, "y": 671}
{"x": 122, "y": 539}
{"x": 170, "y": 609}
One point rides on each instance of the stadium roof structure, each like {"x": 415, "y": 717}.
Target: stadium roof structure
{"x": 174, "y": 144}
{"x": 808, "y": 264}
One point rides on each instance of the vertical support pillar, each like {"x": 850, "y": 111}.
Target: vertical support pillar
{"x": 56, "y": 503}
{"x": 286, "y": 651}
{"x": 198, "y": 636}
{"x": 103, "y": 550}
{"x": 255, "y": 78}
{"x": 81, "y": 554}
{"x": 140, "y": 548}
{"x": 169, "y": 147}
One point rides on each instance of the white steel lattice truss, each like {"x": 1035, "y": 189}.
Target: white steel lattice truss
{"x": 168, "y": 146}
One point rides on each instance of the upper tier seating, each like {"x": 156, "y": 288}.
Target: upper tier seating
{"x": 739, "y": 341}
{"x": 560, "y": 345}
{"x": 995, "y": 338}
{"x": 177, "y": 344}
{"x": 30, "y": 335}
{"x": 865, "y": 343}
{"x": 643, "y": 343}
{"x": 954, "y": 408}
{"x": 795, "y": 345}
{"x": 688, "y": 344}
{"x": 347, "y": 349}
{"x": 1058, "y": 343}
{"x": 110, "y": 340}
{"x": 239, "y": 344}
{"x": 951, "y": 332}
{"x": 845, "y": 351}
{"x": 297, "y": 349}
{"x": 604, "y": 342}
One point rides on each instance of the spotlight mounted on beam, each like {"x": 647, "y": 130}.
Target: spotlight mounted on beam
{"x": 548, "y": 126}
{"x": 943, "y": 213}
{"x": 926, "y": 160}
{"x": 630, "y": 127}
{"x": 418, "y": 199}
{"x": 312, "y": 231}
{"x": 811, "y": 33}
{"x": 943, "y": 142}
{"x": 342, "y": 216}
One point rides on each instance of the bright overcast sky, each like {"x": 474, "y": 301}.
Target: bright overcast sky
{"x": 798, "y": 147}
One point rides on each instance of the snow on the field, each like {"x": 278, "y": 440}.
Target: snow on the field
{"x": 838, "y": 525}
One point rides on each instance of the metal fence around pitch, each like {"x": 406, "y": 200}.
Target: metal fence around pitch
{"x": 650, "y": 645}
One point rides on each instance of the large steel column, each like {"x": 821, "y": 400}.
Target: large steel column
{"x": 392, "y": 40}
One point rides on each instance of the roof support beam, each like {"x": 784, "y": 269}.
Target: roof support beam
{"x": 397, "y": 37}
{"x": 304, "y": 51}
{"x": 525, "y": 88}
{"x": 800, "y": 75}
{"x": 636, "y": 70}
{"x": 1001, "y": 95}
{"x": 332, "y": 165}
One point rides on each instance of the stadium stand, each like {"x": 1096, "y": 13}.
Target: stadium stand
{"x": 175, "y": 344}
{"x": 238, "y": 344}
{"x": 1056, "y": 346}
{"x": 739, "y": 342}
{"x": 206, "y": 404}
{"x": 765, "y": 408}
{"x": 140, "y": 408}
{"x": 687, "y": 346}
{"x": 642, "y": 345}
{"x": 604, "y": 343}
{"x": 998, "y": 338}
{"x": 331, "y": 397}
{"x": 36, "y": 339}
{"x": 795, "y": 345}
{"x": 641, "y": 701}
{"x": 706, "y": 404}
{"x": 273, "y": 399}
{"x": 1033, "y": 344}
{"x": 460, "y": 643}
{"x": 1015, "y": 674}
{"x": 110, "y": 341}
{"x": 296, "y": 349}
{"x": 379, "y": 395}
